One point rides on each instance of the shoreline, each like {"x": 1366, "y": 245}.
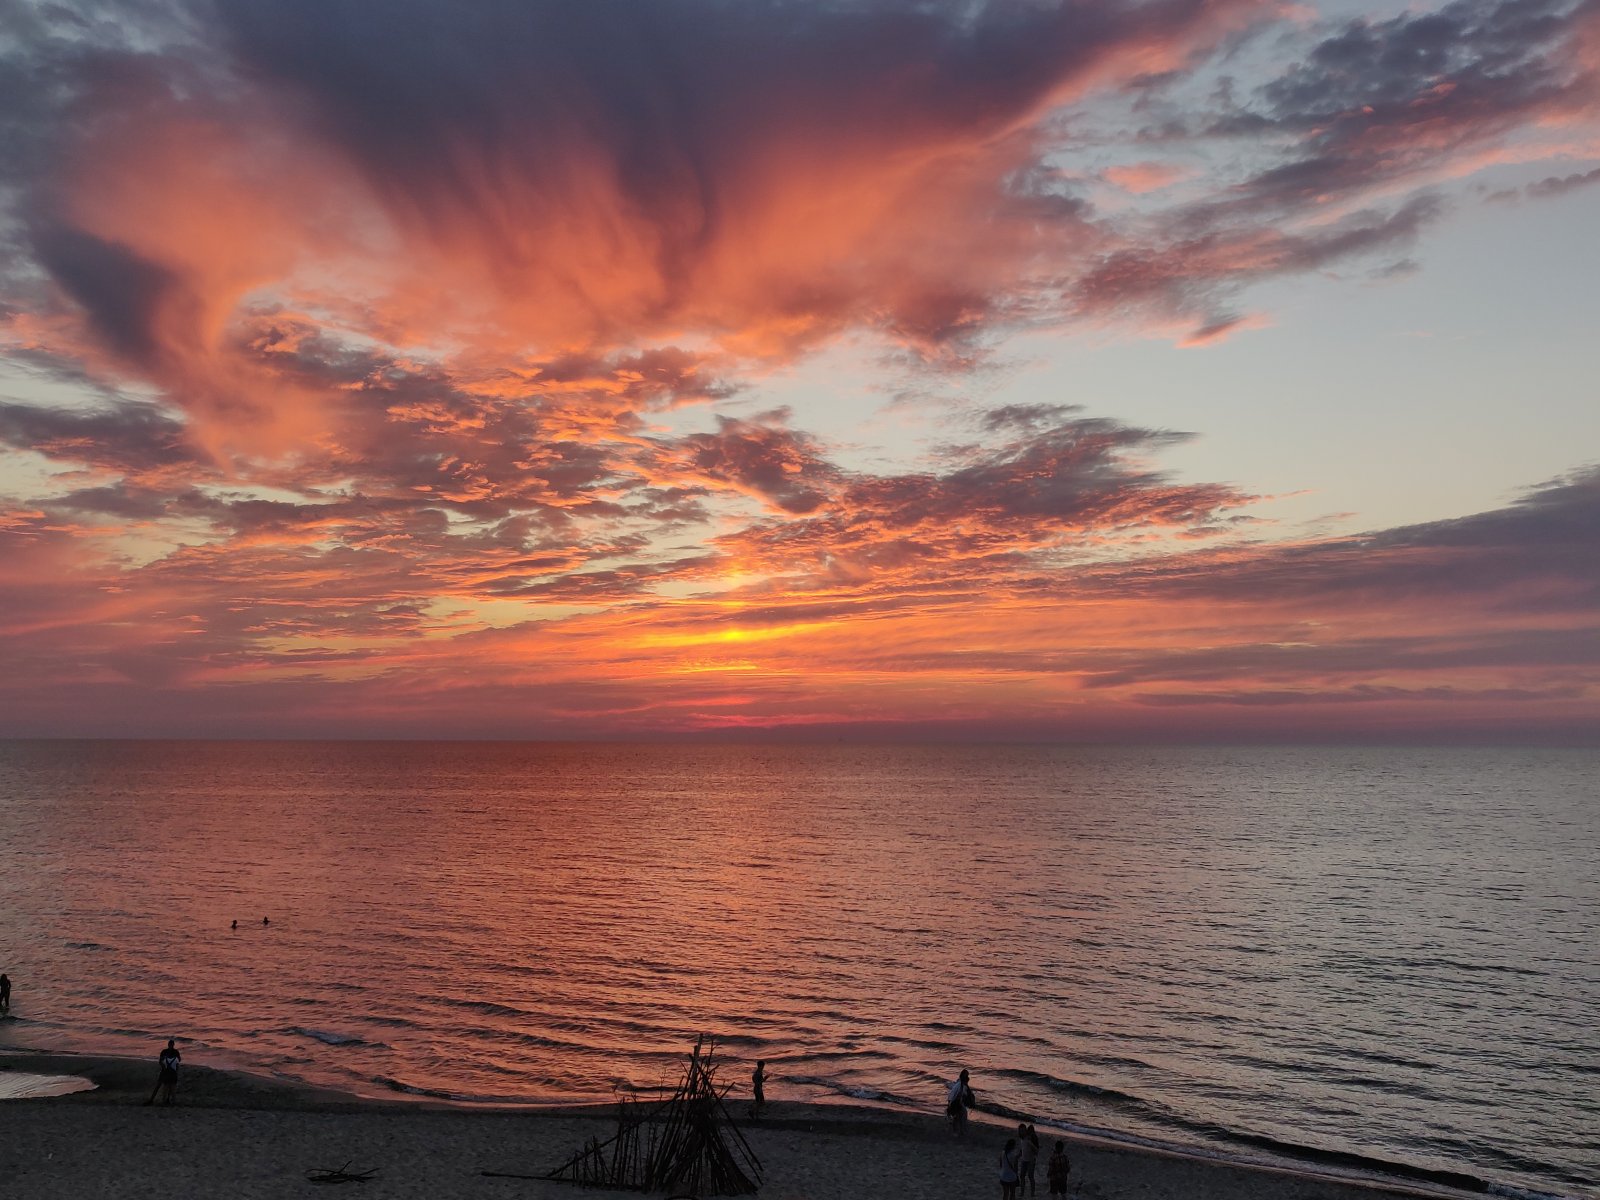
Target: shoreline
{"x": 260, "y": 1135}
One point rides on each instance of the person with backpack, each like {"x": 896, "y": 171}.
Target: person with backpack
{"x": 167, "y": 1081}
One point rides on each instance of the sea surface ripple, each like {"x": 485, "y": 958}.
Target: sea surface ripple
{"x": 1348, "y": 954}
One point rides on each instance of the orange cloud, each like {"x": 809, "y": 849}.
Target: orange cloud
{"x": 417, "y": 368}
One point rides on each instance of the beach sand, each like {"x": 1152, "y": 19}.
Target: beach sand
{"x": 241, "y": 1136}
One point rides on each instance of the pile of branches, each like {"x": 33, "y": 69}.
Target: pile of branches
{"x": 339, "y": 1174}
{"x": 688, "y": 1143}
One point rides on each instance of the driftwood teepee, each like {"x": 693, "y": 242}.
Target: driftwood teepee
{"x": 687, "y": 1144}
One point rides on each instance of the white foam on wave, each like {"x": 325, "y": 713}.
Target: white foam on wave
{"x": 328, "y": 1038}
{"x": 23, "y": 1085}
{"x": 1516, "y": 1193}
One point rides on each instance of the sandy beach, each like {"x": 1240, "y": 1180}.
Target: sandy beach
{"x": 237, "y": 1135}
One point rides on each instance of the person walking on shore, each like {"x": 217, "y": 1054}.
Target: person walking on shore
{"x": 958, "y": 1100}
{"x": 758, "y": 1083}
{"x": 5, "y": 993}
{"x": 1056, "y": 1173}
{"x": 167, "y": 1081}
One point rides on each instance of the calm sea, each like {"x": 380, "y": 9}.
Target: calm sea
{"x": 1383, "y": 953}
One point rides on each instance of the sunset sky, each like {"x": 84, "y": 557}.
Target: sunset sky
{"x": 1096, "y": 370}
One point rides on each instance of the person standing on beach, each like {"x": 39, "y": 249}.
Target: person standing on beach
{"x": 1056, "y": 1173}
{"x": 758, "y": 1082}
{"x": 1028, "y": 1148}
{"x": 959, "y": 1099}
{"x": 167, "y": 1081}
{"x": 5, "y": 993}
{"x": 1010, "y": 1161}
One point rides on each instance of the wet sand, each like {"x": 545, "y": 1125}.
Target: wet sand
{"x": 238, "y": 1135}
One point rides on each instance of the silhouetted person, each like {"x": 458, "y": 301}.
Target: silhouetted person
{"x": 1028, "y": 1149}
{"x": 758, "y": 1082}
{"x": 264, "y": 921}
{"x": 235, "y": 925}
{"x": 5, "y": 993}
{"x": 167, "y": 1081}
{"x": 1056, "y": 1173}
{"x": 960, "y": 1098}
{"x": 1010, "y": 1165}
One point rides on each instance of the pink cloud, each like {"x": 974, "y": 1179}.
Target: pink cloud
{"x": 1143, "y": 177}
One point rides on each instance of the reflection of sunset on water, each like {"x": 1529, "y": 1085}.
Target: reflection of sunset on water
{"x": 1234, "y": 938}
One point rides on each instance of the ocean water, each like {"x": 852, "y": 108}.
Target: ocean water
{"x": 1386, "y": 954}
